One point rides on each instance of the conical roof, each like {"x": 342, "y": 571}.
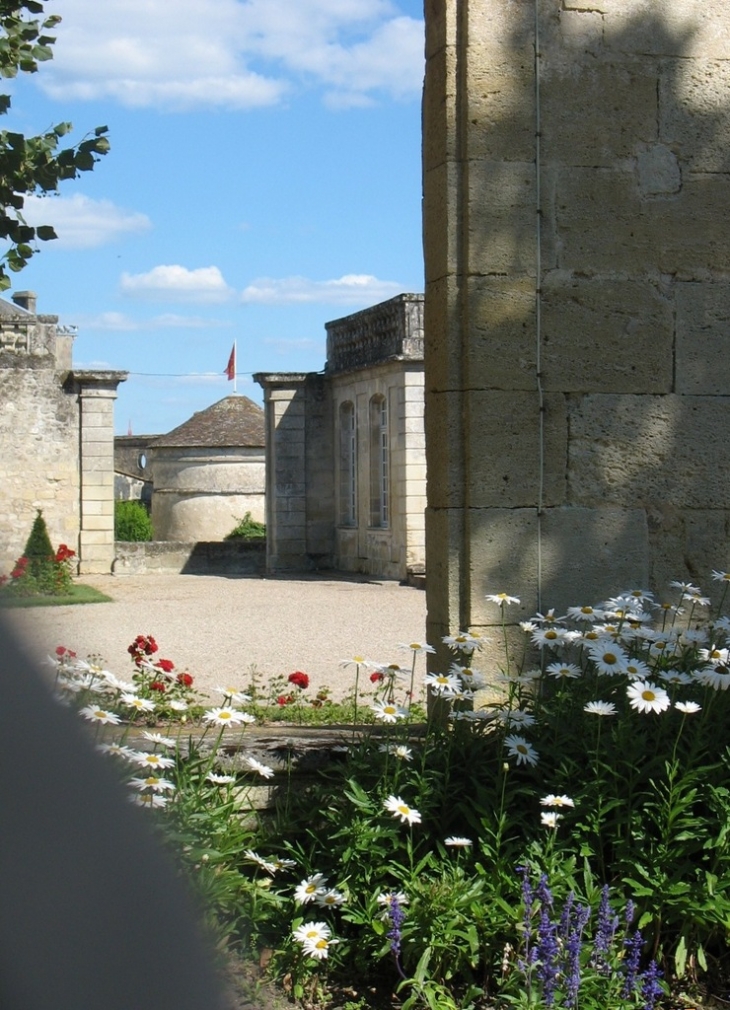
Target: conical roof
{"x": 232, "y": 421}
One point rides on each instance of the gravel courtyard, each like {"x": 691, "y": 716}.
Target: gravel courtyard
{"x": 218, "y": 628}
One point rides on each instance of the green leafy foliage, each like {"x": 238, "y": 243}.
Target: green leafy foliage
{"x": 247, "y": 529}
{"x": 32, "y": 165}
{"x": 131, "y": 521}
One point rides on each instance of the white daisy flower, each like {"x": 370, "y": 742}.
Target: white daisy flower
{"x": 416, "y": 647}
{"x": 675, "y": 677}
{"x": 387, "y": 712}
{"x": 153, "y": 782}
{"x": 636, "y": 669}
{"x": 564, "y": 671}
{"x": 464, "y": 642}
{"x": 388, "y": 897}
{"x": 519, "y": 748}
{"x": 141, "y": 704}
{"x": 263, "y": 770}
{"x": 163, "y": 741}
{"x": 400, "y": 751}
{"x": 693, "y": 636}
{"x": 600, "y": 708}
{"x": 685, "y": 587}
{"x": 589, "y": 614}
{"x": 399, "y": 808}
{"x": 150, "y": 800}
{"x": 318, "y": 948}
{"x": 234, "y": 695}
{"x": 688, "y": 707}
{"x": 153, "y": 760}
{"x": 516, "y": 717}
{"x": 312, "y": 931}
{"x": 178, "y": 705}
{"x": 456, "y": 842}
{"x": 608, "y": 659}
{"x": 721, "y": 576}
{"x": 502, "y": 599}
{"x": 549, "y": 819}
{"x": 102, "y": 715}
{"x": 308, "y": 889}
{"x": 716, "y": 677}
{"x": 254, "y": 857}
{"x": 117, "y": 750}
{"x": 356, "y": 660}
{"x": 331, "y": 898}
{"x": 548, "y": 635}
{"x": 647, "y": 697}
{"x": 714, "y": 655}
{"x": 220, "y": 780}
{"x": 551, "y": 800}
{"x": 442, "y": 683}
{"x": 227, "y": 717}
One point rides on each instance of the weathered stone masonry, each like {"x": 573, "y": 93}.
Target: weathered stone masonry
{"x": 56, "y": 433}
{"x": 577, "y": 314}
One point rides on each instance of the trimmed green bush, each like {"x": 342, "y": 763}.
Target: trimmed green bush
{"x": 131, "y": 521}
{"x": 39, "y": 549}
{"x": 247, "y": 529}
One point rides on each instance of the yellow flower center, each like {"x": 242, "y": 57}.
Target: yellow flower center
{"x": 648, "y": 695}
{"x": 151, "y": 781}
{"x": 551, "y": 634}
{"x": 224, "y": 715}
{"x": 403, "y": 809}
{"x": 608, "y": 657}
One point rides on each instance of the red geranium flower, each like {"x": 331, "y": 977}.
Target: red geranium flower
{"x": 60, "y": 650}
{"x": 157, "y": 685}
{"x": 165, "y": 664}
{"x": 299, "y": 679}
{"x": 376, "y": 677}
{"x": 185, "y": 679}
{"x": 285, "y": 699}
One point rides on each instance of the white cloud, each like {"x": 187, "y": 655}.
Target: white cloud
{"x": 83, "y": 223}
{"x": 138, "y": 53}
{"x": 119, "y": 322}
{"x": 351, "y": 289}
{"x": 177, "y": 283}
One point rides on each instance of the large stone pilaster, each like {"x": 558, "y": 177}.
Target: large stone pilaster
{"x": 97, "y": 392}
{"x": 576, "y": 189}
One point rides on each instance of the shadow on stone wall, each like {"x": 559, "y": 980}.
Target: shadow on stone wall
{"x": 635, "y": 304}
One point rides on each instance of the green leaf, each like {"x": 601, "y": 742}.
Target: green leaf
{"x": 45, "y": 232}
{"x": 680, "y": 957}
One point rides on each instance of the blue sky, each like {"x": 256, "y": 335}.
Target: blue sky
{"x": 264, "y": 177}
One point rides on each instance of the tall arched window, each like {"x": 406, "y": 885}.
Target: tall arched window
{"x": 379, "y": 463}
{"x": 348, "y": 465}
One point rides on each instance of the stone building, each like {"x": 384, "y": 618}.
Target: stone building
{"x": 576, "y": 166}
{"x": 345, "y": 450}
{"x": 208, "y": 472}
{"x": 132, "y": 474}
{"x": 56, "y": 432}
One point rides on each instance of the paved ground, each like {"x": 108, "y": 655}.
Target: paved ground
{"x": 218, "y": 628}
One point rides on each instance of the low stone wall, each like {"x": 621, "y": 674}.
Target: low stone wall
{"x": 170, "y": 557}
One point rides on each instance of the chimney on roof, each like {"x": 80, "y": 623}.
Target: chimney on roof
{"x": 26, "y": 300}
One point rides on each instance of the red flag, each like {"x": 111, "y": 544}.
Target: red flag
{"x": 231, "y": 366}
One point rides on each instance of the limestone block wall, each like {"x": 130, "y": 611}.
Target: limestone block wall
{"x": 200, "y": 493}
{"x": 577, "y": 314}
{"x": 39, "y": 462}
{"x": 299, "y": 471}
{"x": 390, "y": 551}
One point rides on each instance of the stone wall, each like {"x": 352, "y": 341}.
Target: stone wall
{"x": 576, "y": 188}
{"x": 166, "y": 557}
{"x": 400, "y": 547}
{"x": 39, "y": 463}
